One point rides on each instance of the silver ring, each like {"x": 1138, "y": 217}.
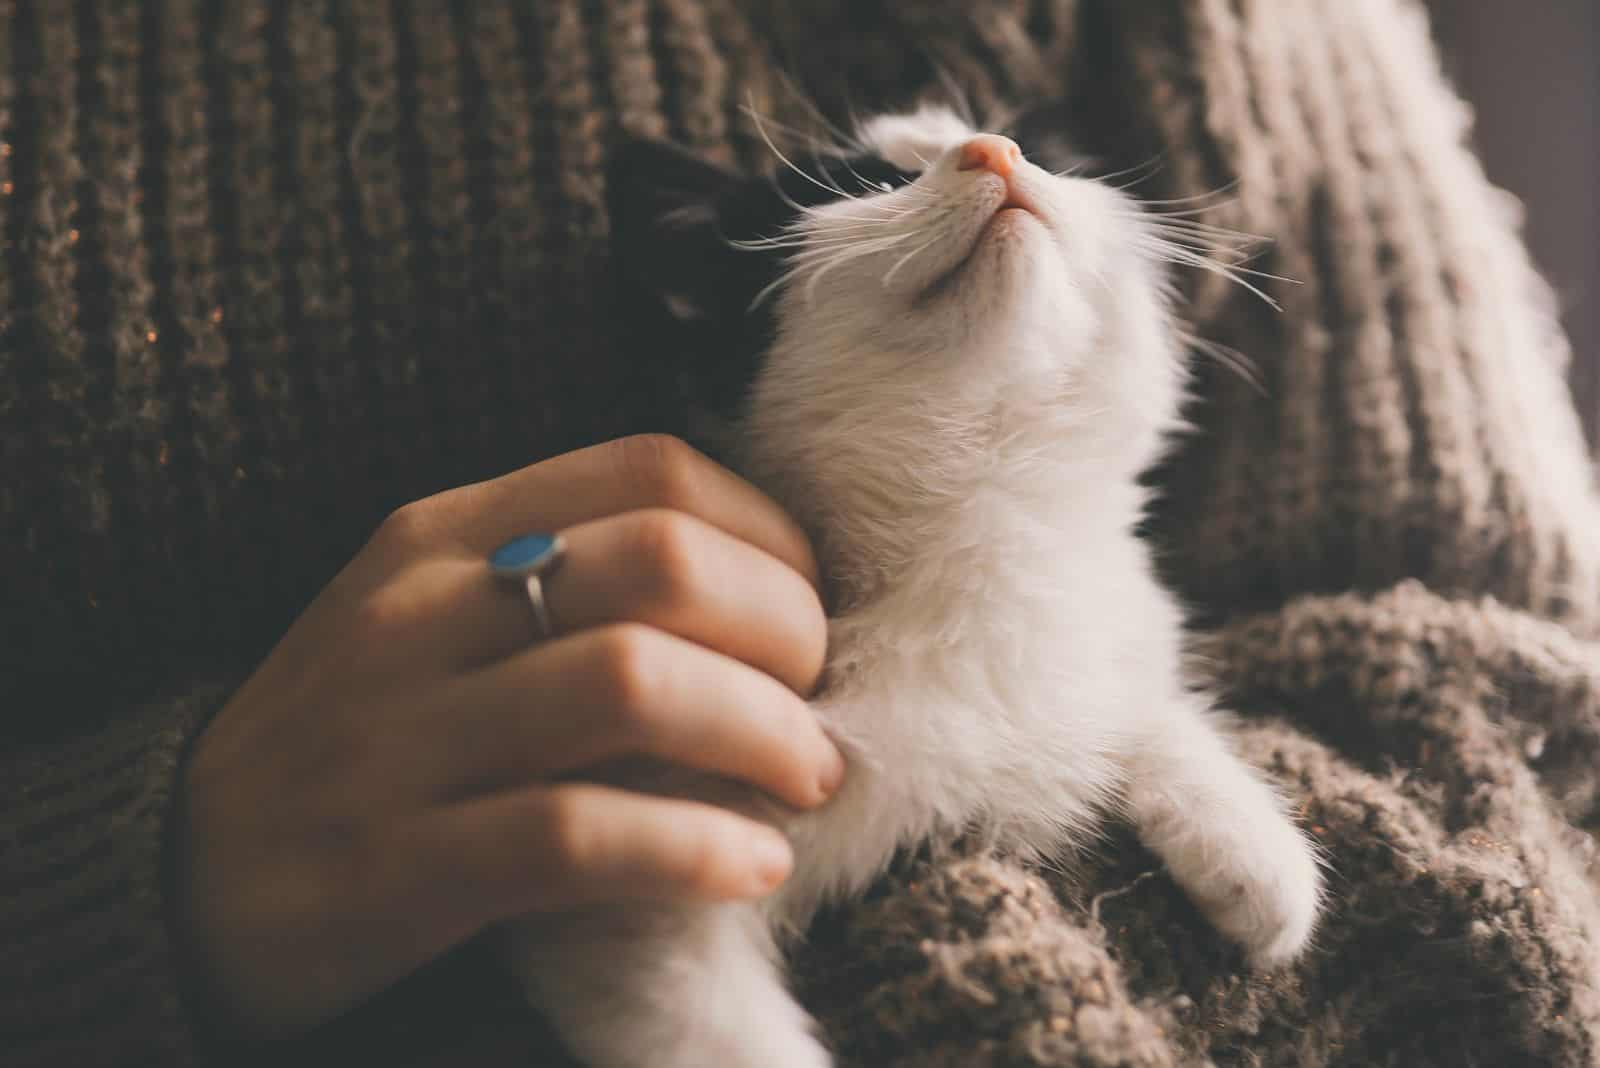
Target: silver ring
{"x": 526, "y": 560}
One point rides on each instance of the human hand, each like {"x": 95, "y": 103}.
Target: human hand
{"x": 407, "y": 765}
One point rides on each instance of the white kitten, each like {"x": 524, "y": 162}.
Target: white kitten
{"x": 966, "y": 375}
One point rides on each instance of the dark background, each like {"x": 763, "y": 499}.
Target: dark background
{"x": 1530, "y": 71}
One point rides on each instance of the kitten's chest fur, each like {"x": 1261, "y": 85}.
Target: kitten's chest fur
{"x": 996, "y": 625}
{"x": 944, "y": 507}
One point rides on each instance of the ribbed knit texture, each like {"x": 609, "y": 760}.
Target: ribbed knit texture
{"x": 270, "y": 269}
{"x": 89, "y": 974}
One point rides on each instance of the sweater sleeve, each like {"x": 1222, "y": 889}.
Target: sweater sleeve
{"x": 89, "y": 975}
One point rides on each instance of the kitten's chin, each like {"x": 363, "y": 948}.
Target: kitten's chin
{"x": 998, "y": 265}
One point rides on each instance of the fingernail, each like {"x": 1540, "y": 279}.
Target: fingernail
{"x": 771, "y": 858}
{"x": 832, "y": 771}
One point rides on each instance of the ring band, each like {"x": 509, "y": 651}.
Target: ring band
{"x": 526, "y": 560}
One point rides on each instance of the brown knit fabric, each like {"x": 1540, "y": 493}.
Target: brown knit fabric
{"x": 269, "y": 269}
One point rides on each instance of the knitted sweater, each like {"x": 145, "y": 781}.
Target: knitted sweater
{"x": 270, "y": 268}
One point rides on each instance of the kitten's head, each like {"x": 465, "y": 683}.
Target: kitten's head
{"x": 936, "y": 257}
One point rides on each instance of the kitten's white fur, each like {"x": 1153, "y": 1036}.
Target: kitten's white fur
{"x": 957, "y": 406}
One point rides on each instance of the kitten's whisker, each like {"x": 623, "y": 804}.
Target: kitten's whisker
{"x": 765, "y": 244}
{"x": 1177, "y": 254}
{"x": 1202, "y": 244}
{"x": 838, "y": 259}
{"x": 958, "y": 96}
{"x": 1208, "y": 248}
{"x": 1004, "y": 120}
{"x": 1154, "y": 163}
{"x": 903, "y": 260}
{"x": 868, "y": 244}
{"x": 847, "y": 235}
{"x": 832, "y": 257}
{"x": 1264, "y": 275}
{"x": 908, "y": 193}
{"x": 872, "y": 187}
{"x": 799, "y": 209}
{"x": 851, "y": 235}
{"x": 1193, "y": 234}
{"x": 824, "y": 260}
{"x": 795, "y": 133}
{"x": 1236, "y": 244}
{"x": 760, "y": 244}
{"x": 1198, "y": 197}
{"x": 1179, "y": 221}
{"x": 804, "y": 238}
{"x": 805, "y": 101}
{"x": 816, "y": 159}
{"x": 874, "y": 211}
{"x": 1228, "y": 357}
{"x": 1185, "y": 213}
{"x": 767, "y": 291}
{"x": 790, "y": 163}
{"x": 870, "y": 208}
{"x": 1190, "y": 226}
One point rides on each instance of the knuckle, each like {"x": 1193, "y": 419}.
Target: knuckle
{"x": 704, "y": 858}
{"x": 662, "y": 468}
{"x": 390, "y": 609}
{"x": 666, "y": 549}
{"x": 631, "y": 674}
{"x": 569, "y": 834}
{"x": 409, "y": 525}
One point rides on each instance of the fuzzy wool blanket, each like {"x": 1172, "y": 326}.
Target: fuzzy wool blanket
{"x": 265, "y": 261}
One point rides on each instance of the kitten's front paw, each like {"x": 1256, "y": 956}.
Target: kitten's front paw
{"x": 1269, "y": 904}
{"x": 1227, "y": 840}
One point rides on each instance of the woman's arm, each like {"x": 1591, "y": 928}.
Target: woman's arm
{"x": 88, "y": 974}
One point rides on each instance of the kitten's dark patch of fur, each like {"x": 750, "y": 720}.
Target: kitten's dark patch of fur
{"x": 687, "y": 287}
{"x": 687, "y": 283}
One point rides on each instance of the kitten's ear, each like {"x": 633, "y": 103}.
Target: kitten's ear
{"x": 667, "y": 172}
{"x": 664, "y": 229}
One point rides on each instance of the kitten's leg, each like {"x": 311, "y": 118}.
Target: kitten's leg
{"x": 1224, "y": 835}
{"x": 665, "y": 987}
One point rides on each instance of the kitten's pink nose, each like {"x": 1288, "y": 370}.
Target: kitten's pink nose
{"x": 992, "y": 153}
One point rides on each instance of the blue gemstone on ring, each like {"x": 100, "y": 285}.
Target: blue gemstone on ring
{"x": 527, "y": 555}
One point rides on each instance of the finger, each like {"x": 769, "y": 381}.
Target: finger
{"x": 666, "y": 569}
{"x": 621, "y": 691}
{"x": 559, "y": 847}
{"x": 645, "y": 471}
